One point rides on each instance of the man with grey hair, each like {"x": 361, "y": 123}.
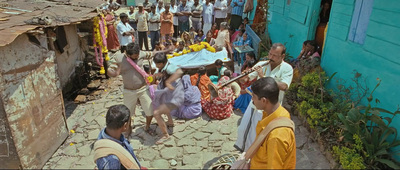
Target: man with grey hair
{"x": 282, "y": 72}
{"x": 222, "y": 39}
{"x": 160, "y": 7}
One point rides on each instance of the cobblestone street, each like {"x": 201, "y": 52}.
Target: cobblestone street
{"x": 195, "y": 143}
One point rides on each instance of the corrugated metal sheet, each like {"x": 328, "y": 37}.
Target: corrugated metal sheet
{"x": 61, "y": 12}
{"x": 33, "y": 102}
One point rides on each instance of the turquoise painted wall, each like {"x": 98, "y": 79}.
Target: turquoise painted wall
{"x": 253, "y": 12}
{"x": 378, "y": 57}
{"x": 293, "y": 24}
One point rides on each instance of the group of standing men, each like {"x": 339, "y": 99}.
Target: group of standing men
{"x": 166, "y": 20}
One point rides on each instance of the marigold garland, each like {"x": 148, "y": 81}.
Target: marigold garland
{"x": 193, "y": 48}
{"x": 99, "y": 40}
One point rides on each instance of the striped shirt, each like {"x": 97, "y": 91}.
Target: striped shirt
{"x": 237, "y": 9}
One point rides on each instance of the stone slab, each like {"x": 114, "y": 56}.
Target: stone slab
{"x": 170, "y": 153}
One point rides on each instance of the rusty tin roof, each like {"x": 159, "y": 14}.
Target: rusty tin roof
{"x": 13, "y": 14}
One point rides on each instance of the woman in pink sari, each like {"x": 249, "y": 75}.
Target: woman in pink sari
{"x": 112, "y": 38}
{"x": 221, "y": 106}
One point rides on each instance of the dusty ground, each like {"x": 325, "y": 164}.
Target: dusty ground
{"x": 196, "y": 143}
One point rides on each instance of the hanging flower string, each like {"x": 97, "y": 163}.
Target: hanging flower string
{"x": 99, "y": 41}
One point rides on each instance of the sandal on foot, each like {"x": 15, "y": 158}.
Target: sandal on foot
{"x": 163, "y": 139}
{"x": 170, "y": 125}
{"x": 150, "y": 131}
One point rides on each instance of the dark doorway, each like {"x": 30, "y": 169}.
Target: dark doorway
{"x": 323, "y": 21}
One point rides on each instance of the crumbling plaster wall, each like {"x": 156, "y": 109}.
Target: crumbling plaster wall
{"x": 72, "y": 54}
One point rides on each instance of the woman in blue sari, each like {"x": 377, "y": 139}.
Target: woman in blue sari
{"x": 245, "y": 98}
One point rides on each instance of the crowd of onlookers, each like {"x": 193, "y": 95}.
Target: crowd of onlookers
{"x": 179, "y": 24}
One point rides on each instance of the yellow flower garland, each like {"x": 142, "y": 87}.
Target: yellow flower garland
{"x": 99, "y": 38}
{"x": 193, "y": 48}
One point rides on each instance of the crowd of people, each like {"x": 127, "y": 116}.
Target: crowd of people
{"x": 178, "y": 25}
{"x": 168, "y": 91}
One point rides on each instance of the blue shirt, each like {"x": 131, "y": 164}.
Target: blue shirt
{"x": 182, "y": 8}
{"x": 237, "y": 10}
{"x": 112, "y": 161}
{"x": 242, "y": 42}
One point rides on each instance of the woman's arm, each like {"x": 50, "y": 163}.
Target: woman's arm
{"x": 178, "y": 73}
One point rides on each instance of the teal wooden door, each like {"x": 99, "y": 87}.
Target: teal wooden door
{"x": 293, "y": 22}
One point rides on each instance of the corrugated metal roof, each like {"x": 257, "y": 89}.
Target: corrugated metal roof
{"x": 61, "y": 12}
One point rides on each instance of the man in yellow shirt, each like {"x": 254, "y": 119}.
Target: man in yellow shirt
{"x": 278, "y": 150}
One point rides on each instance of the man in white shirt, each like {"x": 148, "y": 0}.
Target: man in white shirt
{"x": 208, "y": 9}
{"x": 282, "y": 72}
{"x": 220, "y": 11}
{"x": 141, "y": 18}
{"x": 154, "y": 26}
{"x": 190, "y": 3}
{"x": 173, "y": 9}
{"x": 160, "y": 7}
{"x": 278, "y": 69}
{"x": 124, "y": 31}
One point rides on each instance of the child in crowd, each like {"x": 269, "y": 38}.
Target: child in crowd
{"x": 181, "y": 47}
{"x": 241, "y": 27}
{"x": 244, "y": 41}
{"x": 158, "y": 46}
{"x": 245, "y": 98}
{"x": 249, "y": 56}
{"x": 214, "y": 30}
{"x": 169, "y": 46}
{"x": 234, "y": 86}
{"x": 220, "y": 69}
{"x": 175, "y": 43}
{"x": 200, "y": 36}
{"x": 239, "y": 35}
{"x": 233, "y": 34}
{"x": 192, "y": 33}
{"x": 245, "y": 22}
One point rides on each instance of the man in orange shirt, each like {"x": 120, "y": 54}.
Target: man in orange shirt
{"x": 167, "y": 27}
{"x": 278, "y": 150}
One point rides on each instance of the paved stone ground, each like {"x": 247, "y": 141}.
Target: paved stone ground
{"x": 195, "y": 143}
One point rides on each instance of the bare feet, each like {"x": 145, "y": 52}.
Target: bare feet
{"x": 169, "y": 124}
{"x": 163, "y": 139}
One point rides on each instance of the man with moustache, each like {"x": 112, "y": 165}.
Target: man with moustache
{"x": 282, "y": 73}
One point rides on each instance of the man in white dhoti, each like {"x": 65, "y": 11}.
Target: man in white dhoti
{"x": 282, "y": 72}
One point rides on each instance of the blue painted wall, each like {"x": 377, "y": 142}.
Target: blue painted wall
{"x": 377, "y": 57}
{"x": 294, "y": 23}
